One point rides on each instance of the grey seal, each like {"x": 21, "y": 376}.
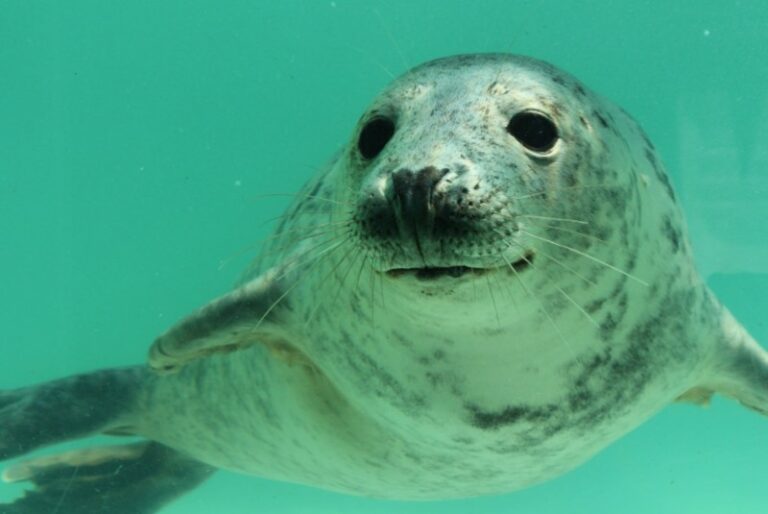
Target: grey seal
{"x": 487, "y": 286}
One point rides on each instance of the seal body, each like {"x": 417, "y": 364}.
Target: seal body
{"x": 495, "y": 379}
{"x": 488, "y": 285}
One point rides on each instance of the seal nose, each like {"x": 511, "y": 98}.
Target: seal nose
{"x": 413, "y": 194}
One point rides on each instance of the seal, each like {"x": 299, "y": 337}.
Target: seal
{"x": 487, "y": 286}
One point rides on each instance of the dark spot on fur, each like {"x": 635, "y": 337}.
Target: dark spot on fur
{"x": 413, "y": 456}
{"x": 434, "y": 379}
{"x": 346, "y": 337}
{"x": 620, "y": 286}
{"x": 613, "y": 320}
{"x": 647, "y": 140}
{"x": 595, "y": 305}
{"x": 570, "y": 179}
{"x": 606, "y": 384}
{"x": 579, "y": 399}
{"x": 668, "y": 186}
{"x": 671, "y": 232}
{"x": 488, "y": 420}
{"x": 354, "y": 304}
{"x": 650, "y": 156}
{"x": 608, "y": 326}
{"x": 378, "y": 381}
{"x": 660, "y": 174}
{"x": 400, "y": 338}
{"x": 374, "y": 463}
{"x": 315, "y": 189}
{"x": 601, "y": 119}
{"x": 617, "y": 199}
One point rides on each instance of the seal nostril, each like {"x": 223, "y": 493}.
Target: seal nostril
{"x": 414, "y": 193}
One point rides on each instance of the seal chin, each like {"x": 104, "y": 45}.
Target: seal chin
{"x": 430, "y": 273}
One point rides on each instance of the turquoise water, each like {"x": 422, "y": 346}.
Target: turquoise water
{"x": 136, "y": 139}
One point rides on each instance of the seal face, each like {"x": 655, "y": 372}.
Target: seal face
{"x": 488, "y": 285}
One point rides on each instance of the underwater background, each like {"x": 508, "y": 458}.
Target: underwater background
{"x": 137, "y": 140}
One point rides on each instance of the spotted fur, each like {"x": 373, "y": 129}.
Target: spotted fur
{"x": 582, "y": 314}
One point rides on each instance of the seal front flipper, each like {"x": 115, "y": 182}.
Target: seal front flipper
{"x": 135, "y": 478}
{"x": 738, "y": 369}
{"x": 240, "y": 318}
{"x": 130, "y": 479}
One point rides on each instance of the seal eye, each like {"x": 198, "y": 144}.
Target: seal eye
{"x": 534, "y": 131}
{"x": 375, "y": 136}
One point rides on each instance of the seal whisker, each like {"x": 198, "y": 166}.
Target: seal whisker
{"x": 565, "y": 266}
{"x": 301, "y": 195}
{"x": 586, "y": 255}
{"x": 300, "y": 237}
{"x": 381, "y": 290}
{"x": 493, "y": 301}
{"x": 374, "y": 61}
{"x": 276, "y": 218}
{"x": 569, "y": 231}
{"x": 328, "y": 275}
{"x": 343, "y": 281}
{"x": 544, "y": 192}
{"x": 307, "y": 259}
{"x": 391, "y": 38}
{"x": 506, "y": 287}
{"x": 542, "y": 307}
{"x": 366, "y": 255}
{"x": 286, "y": 244}
{"x": 550, "y": 218}
{"x": 295, "y": 257}
{"x": 568, "y": 297}
{"x": 303, "y": 229}
{"x": 372, "y": 282}
{"x": 288, "y": 214}
{"x": 311, "y": 265}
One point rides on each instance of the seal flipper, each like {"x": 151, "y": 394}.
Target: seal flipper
{"x": 136, "y": 478}
{"x": 68, "y": 408}
{"x": 240, "y": 318}
{"x": 739, "y": 369}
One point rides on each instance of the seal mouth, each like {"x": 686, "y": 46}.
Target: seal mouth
{"x": 437, "y": 272}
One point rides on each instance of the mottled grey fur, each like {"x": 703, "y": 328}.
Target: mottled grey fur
{"x": 568, "y": 310}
